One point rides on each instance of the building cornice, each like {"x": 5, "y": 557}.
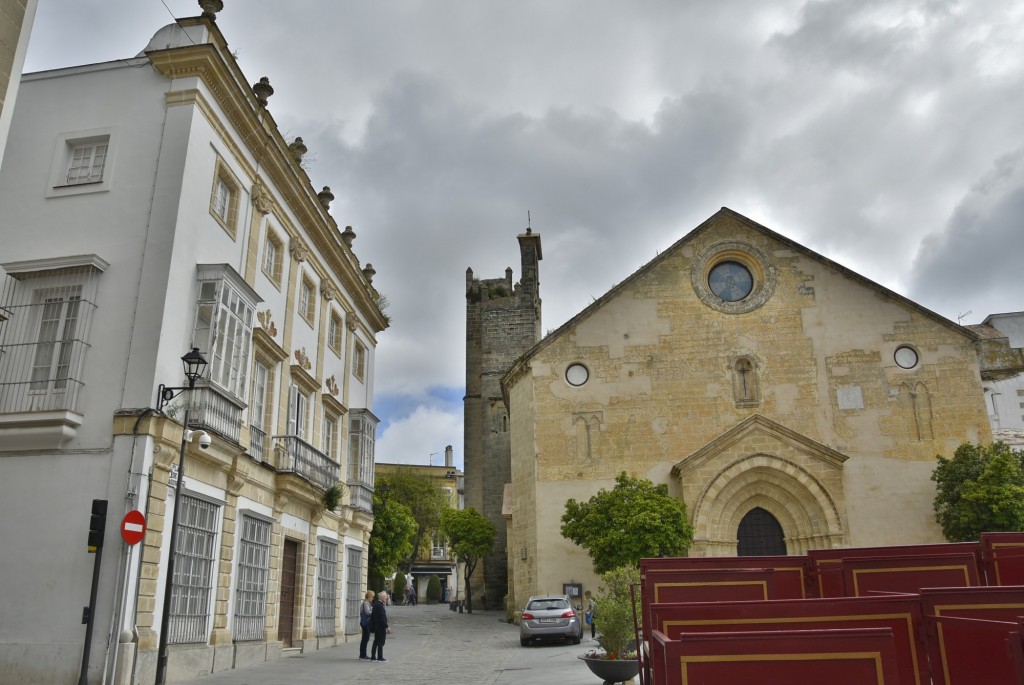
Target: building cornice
{"x": 212, "y": 64}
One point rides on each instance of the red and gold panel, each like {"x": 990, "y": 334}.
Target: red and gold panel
{"x": 836, "y": 657}
{"x": 1004, "y": 558}
{"x": 713, "y": 585}
{"x": 868, "y": 575}
{"x": 899, "y": 613}
{"x": 970, "y": 633}
{"x": 792, "y": 576}
{"x": 828, "y": 576}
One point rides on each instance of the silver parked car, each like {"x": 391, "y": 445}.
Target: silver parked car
{"x": 550, "y": 617}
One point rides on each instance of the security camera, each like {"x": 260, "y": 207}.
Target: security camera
{"x": 205, "y": 440}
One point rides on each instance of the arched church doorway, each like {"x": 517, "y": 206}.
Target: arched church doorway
{"x": 760, "y": 534}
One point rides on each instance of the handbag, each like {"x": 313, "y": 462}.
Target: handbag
{"x": 587, "y": 617}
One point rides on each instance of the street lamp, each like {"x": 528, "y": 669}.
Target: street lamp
{"x": 194, "y": 365}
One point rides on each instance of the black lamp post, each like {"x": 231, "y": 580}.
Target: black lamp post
{"x": 194, "y": 365}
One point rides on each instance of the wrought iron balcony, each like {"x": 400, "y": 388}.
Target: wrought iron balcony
{"x": 213, "y": 410}
{"x": 257, "y": 444}
{"x": 297, "y": 456}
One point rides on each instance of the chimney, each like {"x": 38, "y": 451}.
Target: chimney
{"x": 448, "y": 461}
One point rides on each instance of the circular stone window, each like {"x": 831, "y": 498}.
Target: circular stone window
{"x": 577, "y": 374}
{"x": 733, "y": 277}
{"x": 906, "y": 357}
{"x": 730, "y": 281}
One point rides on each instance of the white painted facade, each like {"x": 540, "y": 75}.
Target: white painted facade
{"x": 1005, "y": 396}
{"x": 131, "y": 248}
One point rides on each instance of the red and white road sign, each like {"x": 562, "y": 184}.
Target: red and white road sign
{"x": 133, "y": 527}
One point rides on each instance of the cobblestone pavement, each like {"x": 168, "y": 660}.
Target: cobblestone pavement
{"x": 430, "y": 644}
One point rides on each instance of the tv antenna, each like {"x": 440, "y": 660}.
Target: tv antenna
{"x": 961, "y": 317}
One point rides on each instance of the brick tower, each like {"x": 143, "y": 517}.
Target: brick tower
{"x": 502, "y": 322}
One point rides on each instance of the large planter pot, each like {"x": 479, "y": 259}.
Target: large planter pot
{"x": 612, "y": 670}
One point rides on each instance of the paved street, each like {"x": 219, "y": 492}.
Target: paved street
{"x": 430, "y": 644}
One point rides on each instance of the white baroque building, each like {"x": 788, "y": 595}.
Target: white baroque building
{"x": 151, "y": 205}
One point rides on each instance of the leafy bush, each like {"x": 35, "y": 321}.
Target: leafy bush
{"x": 433, "y": 589}
{"x": 613, "y": 612}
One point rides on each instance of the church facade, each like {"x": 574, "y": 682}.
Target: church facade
{"x": 791, "y": 403}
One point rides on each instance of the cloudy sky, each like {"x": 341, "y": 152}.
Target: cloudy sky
{"x": 887, "y": 135}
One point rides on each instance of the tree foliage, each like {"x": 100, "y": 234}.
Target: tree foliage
{"x": 425, "y": 500}
{"x": 390, "y": 540}
{"x": 981, "y": 489}
{"x": 634, "y": 520}
{"x": 433, "y": 588}
{"x": 471, "y": 536}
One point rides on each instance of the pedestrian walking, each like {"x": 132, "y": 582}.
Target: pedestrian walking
{"x": 380, "y": 628}
{"x": 365, "y": 611}
{"x": 590, "y": 614}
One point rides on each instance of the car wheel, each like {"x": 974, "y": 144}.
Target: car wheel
{"x": 576, "y": 640}
{"x": 524, "y": 642}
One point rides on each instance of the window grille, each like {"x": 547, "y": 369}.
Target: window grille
{"x": 353, "y": 588}
{"x": 86, "y": 163}
{"x": 192, "y": 583}
{"x": 326, "y": 588}
{"x": 328, "y": 435}
{"x": 253, "y": 570}
{"x": 46, "y": 314}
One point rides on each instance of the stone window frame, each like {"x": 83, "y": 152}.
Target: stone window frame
{"x": 273, "y": 251}
{"x": 754, "y": 260}
{"x": 226, "y": 215}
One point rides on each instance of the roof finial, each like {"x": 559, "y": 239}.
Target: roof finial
{"x": 529, "y": 230}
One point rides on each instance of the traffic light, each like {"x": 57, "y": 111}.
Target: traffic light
{"x": 97, "y": 522}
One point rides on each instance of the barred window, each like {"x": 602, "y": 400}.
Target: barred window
{"x": 326, "y": 587}
{"x": 192, "y": 584}
{"x": 58, "y": 322}
{"x": 353, "y": 587}
{"x": 253, "y": 570}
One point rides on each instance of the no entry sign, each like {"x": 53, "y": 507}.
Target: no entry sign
{"x": 133, "y": 527}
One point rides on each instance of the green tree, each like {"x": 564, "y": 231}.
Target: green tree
{"x": 425, "y": 500}
{"x": 390, "y": 540}
{"x": 471, "y": 536}
{"x": 634, "y": 520}
{"x": 981, "y": 489}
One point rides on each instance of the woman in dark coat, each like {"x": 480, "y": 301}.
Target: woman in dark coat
{"x": 379, "y": 627}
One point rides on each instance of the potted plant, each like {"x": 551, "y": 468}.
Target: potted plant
{"x": 614, "y": 608}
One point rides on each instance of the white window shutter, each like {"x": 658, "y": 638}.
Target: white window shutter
{"x": 293, "y": 400}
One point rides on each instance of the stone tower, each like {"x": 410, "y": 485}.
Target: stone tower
{"x": 502, "y": 322}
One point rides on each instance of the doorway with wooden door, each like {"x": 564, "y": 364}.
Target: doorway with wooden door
{"x": 289, "y": 580}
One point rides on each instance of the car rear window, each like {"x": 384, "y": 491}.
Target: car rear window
{"x": 547, "y": 604}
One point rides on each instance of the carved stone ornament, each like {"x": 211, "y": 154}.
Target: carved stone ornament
{"x": 326, "y": 197}
{"x": 261, "y": 199}
{"x": 210, "y": 8}
{"x": 369, "y": 272}
{"x": 267, "y": 323}
{"x": 328, "y": 291}
{"x": 332, "y": 386}
{"x": 350, "y": 324}
{"x": 298, "y": 148}
{"x": 263, "y": 90}
{"x": 299, "y": 251}
{"x": 302, "y": 359}
{"x": 348, "y": 235}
